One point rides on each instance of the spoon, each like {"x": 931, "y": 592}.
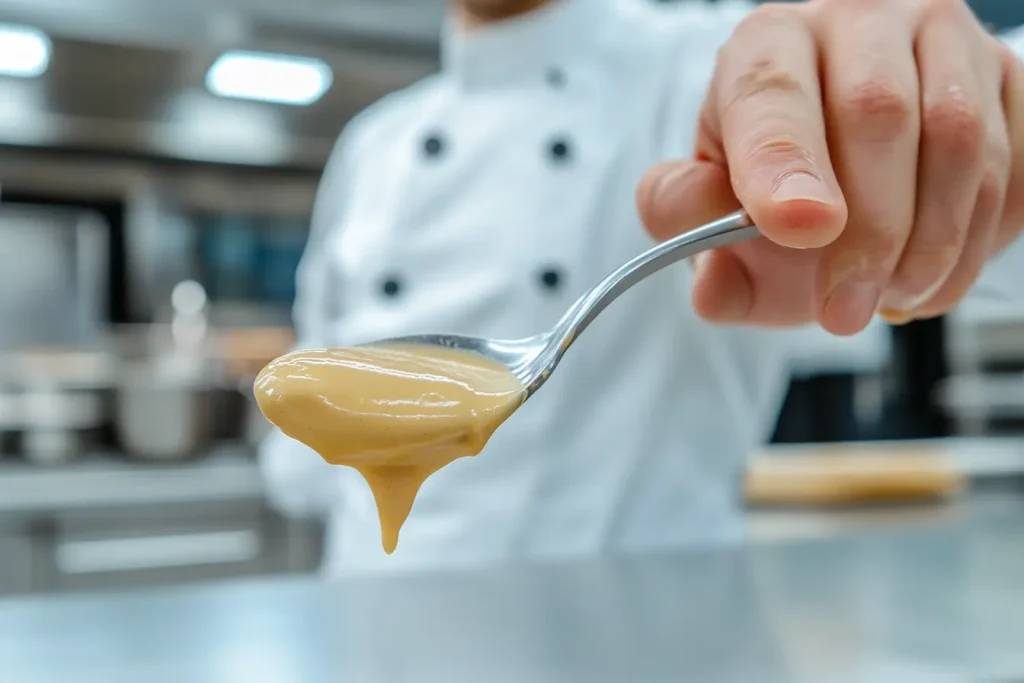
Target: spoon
{"x": 533, "y": 359}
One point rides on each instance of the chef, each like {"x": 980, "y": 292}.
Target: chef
{"x": 484, "y": 200}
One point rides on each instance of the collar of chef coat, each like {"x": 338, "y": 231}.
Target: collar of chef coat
{"x": 530, "y": 45}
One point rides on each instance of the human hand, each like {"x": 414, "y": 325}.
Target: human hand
{"x": 877, "y": 144}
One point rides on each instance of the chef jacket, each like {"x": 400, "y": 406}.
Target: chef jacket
{"x": 484, "y": 200}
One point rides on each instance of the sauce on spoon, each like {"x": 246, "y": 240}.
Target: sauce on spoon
{"x": 396, "y": 414}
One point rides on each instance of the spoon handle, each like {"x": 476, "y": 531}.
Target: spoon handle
{"x": 735, "y": 227}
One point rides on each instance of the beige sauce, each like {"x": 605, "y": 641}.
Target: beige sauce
{"x": 395, "y": 414}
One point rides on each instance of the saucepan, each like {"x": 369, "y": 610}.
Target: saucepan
{"x": 172, "y": 404}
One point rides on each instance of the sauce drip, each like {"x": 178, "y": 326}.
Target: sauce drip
{"x": 396, "y": 414}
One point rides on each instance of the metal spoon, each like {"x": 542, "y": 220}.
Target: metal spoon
{"x": 532, "y": 360}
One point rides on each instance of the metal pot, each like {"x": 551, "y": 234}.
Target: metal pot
{"x": 164, "y": 409}
{"x": 53, "y": 401}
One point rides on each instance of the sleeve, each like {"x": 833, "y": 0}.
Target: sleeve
{"x": 298, "y": 482}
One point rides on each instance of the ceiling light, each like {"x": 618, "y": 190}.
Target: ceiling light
{"x": 24, "y": 51}
{"x": 269, "y": 78}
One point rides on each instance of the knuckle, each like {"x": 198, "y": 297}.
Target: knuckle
{"x": 882, "y": 247}
{"x": 876, "y": 109}
{"x": 870, "y": 252}
{"x": 777, "y": 151}
{"x": 765, "y": 76}
{"x": 956, "y": 124}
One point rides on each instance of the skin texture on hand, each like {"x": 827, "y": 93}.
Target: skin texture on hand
{"x": 877, "y": 144}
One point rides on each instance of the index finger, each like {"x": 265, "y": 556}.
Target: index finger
{"x": 768, "y": 106}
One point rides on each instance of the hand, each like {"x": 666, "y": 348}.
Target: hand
{"x": 877, "y": 144}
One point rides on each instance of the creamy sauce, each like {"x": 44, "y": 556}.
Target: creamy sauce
{"x": 395, "y": 414}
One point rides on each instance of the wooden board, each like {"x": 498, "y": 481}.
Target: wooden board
{"x": 840, "y": 476}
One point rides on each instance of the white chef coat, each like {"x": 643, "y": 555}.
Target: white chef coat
{"x": 485, "y": 200}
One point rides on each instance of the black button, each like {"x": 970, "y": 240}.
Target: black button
{"x": 391, "y": 287}
{"x": 555, "y": 78}
{"x": 551, "y": 278}
{"x": 433, "y": 146}
{"x": 560, "y": 151}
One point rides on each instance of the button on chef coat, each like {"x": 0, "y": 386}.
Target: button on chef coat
{"x": 491, "y": 196}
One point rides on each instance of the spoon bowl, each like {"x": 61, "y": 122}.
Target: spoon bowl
{"x": 533, "y": 359}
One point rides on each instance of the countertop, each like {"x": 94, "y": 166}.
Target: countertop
{"x": 937, "y": 604}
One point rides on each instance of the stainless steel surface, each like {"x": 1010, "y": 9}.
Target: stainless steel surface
{"x": 16, "y": 568}
{"x": 533, "y": 359}
{"x": 53, "y": 277}
{"x": 199, "y": 23}
{"x": 101, "y": 482}
{"x": 938, "y": 605}
{"x": 107, "y": 524}
{"x": 167, "y": 387}
{"x": 164, "y": 420}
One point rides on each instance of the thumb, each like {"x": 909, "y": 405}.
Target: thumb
{"x": 677, "y": 196}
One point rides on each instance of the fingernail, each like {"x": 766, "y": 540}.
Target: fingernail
{"x": 853, "y": 301}
{"x": 801, "y": 186}
{"x": 899, "y": 303}
{"x": 905, "y": 302}
{"x": 895, "y": 317}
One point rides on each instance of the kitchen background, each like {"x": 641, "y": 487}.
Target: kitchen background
{"x": 149, "y": 235}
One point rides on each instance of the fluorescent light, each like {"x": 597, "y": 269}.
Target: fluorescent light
{"x": 204, "y": 128}
{"x": 269, "y": 78}
{"x": 24, "y": 51}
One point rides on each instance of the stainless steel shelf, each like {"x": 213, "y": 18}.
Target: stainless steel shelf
{"x": 227, "y": 474}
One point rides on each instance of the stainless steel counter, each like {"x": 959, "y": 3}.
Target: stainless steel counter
{"x": 108, "y": 523}
{"x": 939, "y": 604}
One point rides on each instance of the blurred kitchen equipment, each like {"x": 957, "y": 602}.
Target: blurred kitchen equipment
{"x": 54, "y": 400}
{"x": 230, "y": 245}
{"x": 163, "y": 409}
{"x": 532, "y": 360}
{"x": 282, "y": 242}
{"x": 165, "y": 392}
{"x": 53, "y": 277}
{"x": 838, "y": 475}
{"x": 56, "y": 423}
{"x": 54, "y": 373}
{"x": 246, "y": 351}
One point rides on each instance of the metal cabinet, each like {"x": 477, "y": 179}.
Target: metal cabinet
{"x": 15, "y": 560}
{"x": 163, "y": 546}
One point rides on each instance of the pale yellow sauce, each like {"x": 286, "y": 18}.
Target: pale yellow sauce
{"x": 395, "y": 414}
